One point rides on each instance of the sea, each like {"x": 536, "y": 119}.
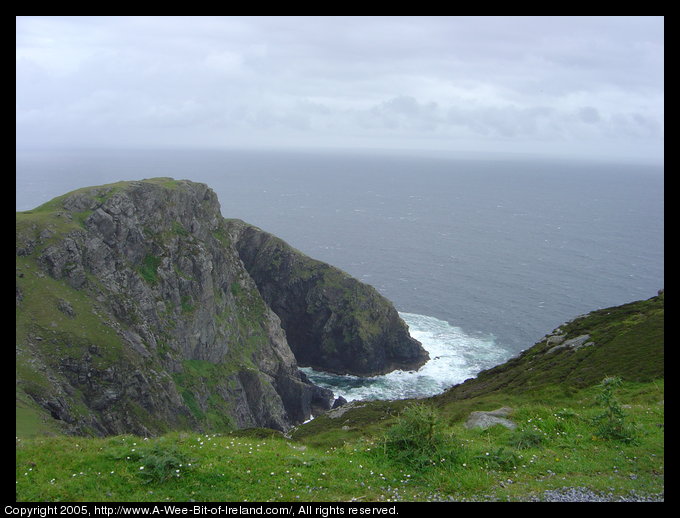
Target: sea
{"x": 481, "y": 255}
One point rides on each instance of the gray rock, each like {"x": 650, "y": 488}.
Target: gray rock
{"x": 555, "y": 339}
{"x": 574, "y": 343}
{"x": 339, "y": 402}
{"x": 193, "y": 310}
{"x": 340, "y": 411}
{"x": 66, "y": 308}
{"x": 484, "y": 420}
{"x": 332, "y": 321}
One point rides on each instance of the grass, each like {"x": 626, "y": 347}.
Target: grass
{"x": 149, "y": 268}
{"x": 570, "y": 432}
{"x": 554, "y": 446}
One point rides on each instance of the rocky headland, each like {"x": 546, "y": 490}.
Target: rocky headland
{"x": 140, "y": 309}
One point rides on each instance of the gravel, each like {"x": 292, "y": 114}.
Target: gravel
{"x": 583, "y": 494}
{"x": 564, "y": 494}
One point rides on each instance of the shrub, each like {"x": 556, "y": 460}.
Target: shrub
{"x": 612, "y": 423}
{"x": 524, "y": 439}
{"x": 148, "y": 268}
{"x": 159, "y": 463}
{"x": 418, "y": 438}
{"x": 501, "y": 459}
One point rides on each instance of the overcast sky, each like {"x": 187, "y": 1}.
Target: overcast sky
{"x": 581, "y": 87}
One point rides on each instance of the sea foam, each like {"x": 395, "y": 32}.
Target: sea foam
{"x": 454, "y": 357}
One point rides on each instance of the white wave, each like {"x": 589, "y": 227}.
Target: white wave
{"x": 454, "y": 357}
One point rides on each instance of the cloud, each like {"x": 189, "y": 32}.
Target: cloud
{"x": 589, "y": 115}
{"x": 336, "y": 81}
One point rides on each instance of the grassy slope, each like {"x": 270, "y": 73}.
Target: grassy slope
{"x": 344, "y": 458}
{"x": 483, "y": 464}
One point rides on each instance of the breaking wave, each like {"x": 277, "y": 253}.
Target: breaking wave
{"x": 454, "y": 357}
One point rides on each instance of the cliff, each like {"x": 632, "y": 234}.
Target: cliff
{"x": 136, "y": 314}
{"x": 560, "y": 370}
{"x": 333, "y": 322}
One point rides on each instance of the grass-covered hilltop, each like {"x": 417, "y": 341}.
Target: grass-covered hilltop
{"x": 137, "y": 312}
{"x": 158, "y": 347}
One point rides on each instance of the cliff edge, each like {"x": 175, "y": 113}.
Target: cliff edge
{"x": 333, "y": 322}
{"x": 136, "y": 314}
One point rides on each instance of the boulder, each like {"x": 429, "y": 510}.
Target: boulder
{"x": 484, "y": 420}
{"x": 574, "y": 343}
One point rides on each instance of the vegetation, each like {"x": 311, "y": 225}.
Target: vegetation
{"x": 591, "y": 416}
{"x": 418, "y": 438}
{"x": 149, "y": 268}
{"x": 612, "y": 423}
{"x": 607, "y": 436}
{"x": 555, "y": 445}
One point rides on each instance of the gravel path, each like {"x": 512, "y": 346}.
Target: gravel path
{"x": 564, "y": 494}
{"x": 583, "y": 494}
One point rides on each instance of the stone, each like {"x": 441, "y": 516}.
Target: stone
{"x": 574, "y": 343}
{"x": 339, "y": 402}
{"x": 484, "y": 420}
{"x": 555, "y": 339}
{"x": 65, "y": 307}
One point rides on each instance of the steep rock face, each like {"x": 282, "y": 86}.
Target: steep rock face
{"x": 333, "y": 322}
{"x": 135, "y": 315}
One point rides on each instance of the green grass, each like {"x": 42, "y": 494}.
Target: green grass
{"x": 262, "y": 465}
{"x": 566, "y": 435}
{"x": 149, "y": 268}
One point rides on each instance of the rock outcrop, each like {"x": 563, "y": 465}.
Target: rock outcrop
{"x": 487, "y": 419}
{"x": 136, "y": 314}
{"x": 333, "y": 322}
{"x": 625, "y": 341}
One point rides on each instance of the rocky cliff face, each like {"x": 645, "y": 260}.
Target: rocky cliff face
{"x": 135, "y": 314}
{"x": 333, "y": 322}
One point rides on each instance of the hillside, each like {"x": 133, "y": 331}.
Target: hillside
{"x": 625, "y": 341}
{"x": 135, "y": 314}
{"x": 577, "y": 438}
{"x": 157, "y": 358}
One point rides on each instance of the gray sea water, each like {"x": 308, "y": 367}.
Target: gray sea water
{"x": 481, "y": 256}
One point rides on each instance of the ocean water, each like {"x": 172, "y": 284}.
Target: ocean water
{"x": 481, "y": 256}
{"x": 454, "y": 356}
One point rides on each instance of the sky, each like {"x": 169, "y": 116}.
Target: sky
{"x": 580, "y": 87}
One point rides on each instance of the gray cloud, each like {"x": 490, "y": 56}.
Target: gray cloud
{"x": 583, "y": 85}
